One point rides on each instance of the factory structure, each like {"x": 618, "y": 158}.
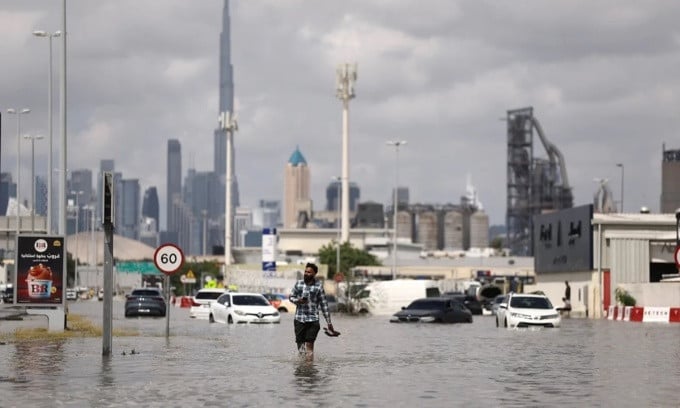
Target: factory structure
{"x": 536, "y": 183}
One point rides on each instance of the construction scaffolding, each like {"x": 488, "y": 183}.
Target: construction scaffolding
{"x": 535, "y": 184}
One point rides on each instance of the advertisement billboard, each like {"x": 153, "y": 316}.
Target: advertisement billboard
{"x": 269, "y": 250}
{"x": 563, "y": 240}
{"x": 40, "y": 274}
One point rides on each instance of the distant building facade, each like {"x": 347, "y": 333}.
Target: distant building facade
{"x": 296, "y": 192}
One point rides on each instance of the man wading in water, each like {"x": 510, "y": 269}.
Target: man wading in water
{"x": 309, "y": 296}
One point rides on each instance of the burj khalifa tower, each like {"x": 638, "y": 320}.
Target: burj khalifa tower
{"x": 226, "y": 104}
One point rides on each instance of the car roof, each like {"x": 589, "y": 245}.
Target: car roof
{"x": 217, "y": 290}
{"x": 533, "y": 295}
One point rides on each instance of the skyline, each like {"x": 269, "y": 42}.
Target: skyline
{"x": 599, "y": 77}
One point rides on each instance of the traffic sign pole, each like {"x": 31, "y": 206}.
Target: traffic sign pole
{"x": 168, "y": 258}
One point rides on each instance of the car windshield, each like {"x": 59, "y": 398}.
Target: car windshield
{"x": 250, "y": 300}
{"x": 208, "y": 295}
{"x": 426, "y": 304}
{"x": 525, "y": 302}
{"x": 145, "y": 292}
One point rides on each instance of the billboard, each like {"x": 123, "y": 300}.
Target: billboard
{"x": 269, "y": 251}
{"x": 563, "y": 240}
{"x": 40, "y": 274}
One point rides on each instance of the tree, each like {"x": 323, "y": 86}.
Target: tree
{"x": 350, "y": 257}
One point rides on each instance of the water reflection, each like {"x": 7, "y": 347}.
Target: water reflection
{"x": 37, "y": 361}
{"x": 306, "y": 374}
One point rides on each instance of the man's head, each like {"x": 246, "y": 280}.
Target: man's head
{"x": 566, "y": 283}
{"x": 310, "y": 272}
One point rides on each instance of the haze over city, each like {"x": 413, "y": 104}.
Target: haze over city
{"x": 438, "y": 74}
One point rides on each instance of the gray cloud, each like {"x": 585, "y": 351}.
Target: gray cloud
{"x": 439, "y": 74}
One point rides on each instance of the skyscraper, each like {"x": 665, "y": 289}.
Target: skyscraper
{"x": 150, "y": 204}
{"x": 174, "y": 182}
{"x": 670, "y": 173}
{"x": 296, "y": 202}
{"x": 226, "y": 104}
{"x": 106, "y": 165}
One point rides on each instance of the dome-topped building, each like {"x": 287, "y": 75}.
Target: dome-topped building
{"x": 297, "y": 204}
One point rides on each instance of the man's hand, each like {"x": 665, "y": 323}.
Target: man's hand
{"x": 303, "y": 301}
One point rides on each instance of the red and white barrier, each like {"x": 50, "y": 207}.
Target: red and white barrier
{"x": 644, "y": 314}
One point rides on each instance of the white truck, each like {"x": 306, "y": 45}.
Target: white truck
{"x": 388, "y": 297}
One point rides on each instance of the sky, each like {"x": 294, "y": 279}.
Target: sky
{"x": 602, "y": 78}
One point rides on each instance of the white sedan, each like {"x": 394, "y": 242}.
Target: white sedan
{"x": 526, "y": 310}
{"x": 236, "y": 307}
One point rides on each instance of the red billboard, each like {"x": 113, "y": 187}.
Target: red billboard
{"x": 40, "y": 273}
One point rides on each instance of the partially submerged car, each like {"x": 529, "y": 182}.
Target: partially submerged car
{"x": 433, "y": 310}
{"x": 238, "y": 307}
{"x": 145, "y": 302}
{"x": 527, "y": 310}
{"x": 200, "y": 302}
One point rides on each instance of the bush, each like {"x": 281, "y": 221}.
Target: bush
{"x": 625, "y": 298}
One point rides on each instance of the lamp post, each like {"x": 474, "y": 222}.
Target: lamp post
{"x": 49, "y": 36}
{"x": 621, "y": 165}
{"x": 76, "y": 257}
{"x": 337, "y": 221}
{"x": 395, "y": 204}
{"x": 346, "y": 76}
{"x": 17, "y": 112}
{"x": 228, "y": 124}
{"x": 33, "y": 138}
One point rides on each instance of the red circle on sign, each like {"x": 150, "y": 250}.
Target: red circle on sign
{"x": 677, "y": 256}
{"x": 168, "y": 258}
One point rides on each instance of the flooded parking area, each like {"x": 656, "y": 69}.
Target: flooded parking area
{"x": 373, "y": 363}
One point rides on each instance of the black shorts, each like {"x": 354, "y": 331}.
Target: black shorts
{"x": 306, "y": 332}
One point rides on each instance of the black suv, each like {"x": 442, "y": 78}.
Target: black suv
{"x": 145, "y": 302}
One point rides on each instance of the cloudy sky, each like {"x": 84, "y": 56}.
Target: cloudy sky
{"x": 602, "y": 78}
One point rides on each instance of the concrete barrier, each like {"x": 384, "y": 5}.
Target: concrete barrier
{"x": 647, "y": 314}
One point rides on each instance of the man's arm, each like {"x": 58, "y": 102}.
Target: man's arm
{"x": 324, "y": 306}
{"x": 295, "y": 294}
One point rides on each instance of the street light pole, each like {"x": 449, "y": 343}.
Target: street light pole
{"x": 33, "y": 138}
{"x": 395, "y": 203}
{"x": 76, "y": 257}
{"x": 227, "y": 121}
{"x": 346, "y": 75}
{"x": 49, "y": 36}
{"x": 621, "y": 165}
{"x": 18, "y": 113}
{"x": 337, "y": 221}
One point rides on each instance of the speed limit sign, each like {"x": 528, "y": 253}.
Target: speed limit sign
{"x": 168, "y": 258}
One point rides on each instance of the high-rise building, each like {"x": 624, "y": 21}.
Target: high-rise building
{"x": 81, "y": 180}
{"x": 670, "y": 174}
{"x": 129, "y": 209}
{"x": 7, "y": 189}
{"x": 174, "y": 182}
{"x": 296, "y": 200}
{"x": 40, "y": 196}
{"x": 334, "y": 196}
{"x": 150, "y": 207}
{"x": 226, "y": 104}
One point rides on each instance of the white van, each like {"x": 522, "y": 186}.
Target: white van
{"x": 388, "y": 297}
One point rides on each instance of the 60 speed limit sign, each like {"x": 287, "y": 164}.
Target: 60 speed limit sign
{"x": 168, "y": 258}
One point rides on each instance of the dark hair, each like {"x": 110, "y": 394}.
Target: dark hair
{"x": 313, "y": 266}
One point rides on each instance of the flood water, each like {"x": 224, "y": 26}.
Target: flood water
{"x": 373, "y": 363}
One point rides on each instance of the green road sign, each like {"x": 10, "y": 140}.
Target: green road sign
{"x": 137, "y": 267}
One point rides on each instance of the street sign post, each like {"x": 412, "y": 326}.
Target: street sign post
{"x": 168, "y": 258}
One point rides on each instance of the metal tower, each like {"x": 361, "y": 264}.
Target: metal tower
{"x": 535, "y": 184}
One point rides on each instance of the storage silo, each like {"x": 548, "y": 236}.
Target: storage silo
{"x": 427, "y": 230}
{"x": 479, "y": 230}
{"x": 404, "y": 225}
{"x": 453, "y": 230}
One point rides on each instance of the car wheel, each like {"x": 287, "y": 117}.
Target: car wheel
{"x": 230, "y": 320}
{"x": 211, "y": 319}
{"x": 283, "y": 310}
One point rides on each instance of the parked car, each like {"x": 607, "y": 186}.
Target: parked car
{"x": 145, "y": 302}
{"x": 235, "y": 307}
{"x": 433, "y": 310}
{"x": 280, "y": 302}
{"x": 470, "y": 302}
{"x": 384, "y": 297}
{"x": 200, "y": 302}
{"x": 524, "y": 310}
